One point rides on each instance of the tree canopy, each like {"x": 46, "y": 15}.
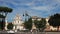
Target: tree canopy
{"x": 28, "y": 24}
{"x": 5, "y": 9}
{"x": 10, "y": 26}
{"x": 40, "y": 24}
{"x": 54, "y": 20}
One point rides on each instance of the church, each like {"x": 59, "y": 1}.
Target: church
{"x": 18, "y": 23}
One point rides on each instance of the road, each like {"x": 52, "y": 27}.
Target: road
{"x": 4, "y": 32}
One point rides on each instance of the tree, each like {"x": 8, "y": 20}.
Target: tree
{"x": 40, "y": 24}
{"x": 1, "y": 26}
{"x": 10, "y": 26}
{"x": 4, "y": 11}
{"x": 28, "y": 24}
{"x": 55, "y": 20}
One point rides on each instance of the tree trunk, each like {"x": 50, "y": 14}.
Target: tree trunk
{"x": 57, "y": 28}
{"x": 3, "y": 24}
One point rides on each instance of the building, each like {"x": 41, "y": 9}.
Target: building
{"x": 18, "y": 23}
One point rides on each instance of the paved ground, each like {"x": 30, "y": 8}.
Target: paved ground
{"x": 31, "y": 33}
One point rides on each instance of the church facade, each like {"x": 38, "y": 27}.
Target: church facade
{"x": 18, "y": 23}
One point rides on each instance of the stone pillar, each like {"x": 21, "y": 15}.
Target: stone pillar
{"x": 6, "y": 23}
{"x": 33, "y": 25}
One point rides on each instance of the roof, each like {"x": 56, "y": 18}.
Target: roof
{"x": 35, "y": 17}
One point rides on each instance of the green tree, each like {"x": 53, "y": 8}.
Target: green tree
{"x": 1, "y": 26}
{"x": 55, "y": 20}
{"x": 10, "y": 26}
{"x": 28, "y": 24}
{"x": 4, "y": 11}
{"x": 40, "y": 24}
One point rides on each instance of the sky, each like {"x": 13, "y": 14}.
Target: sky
{"x": 40, "y": 8}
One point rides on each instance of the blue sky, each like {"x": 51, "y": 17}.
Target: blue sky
{"x": 40, "y": 8}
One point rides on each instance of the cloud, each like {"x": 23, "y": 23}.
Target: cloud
{"x": 43, "y": 8}
{"x": 46, "y": 5}
{"x": 58, "y": 1}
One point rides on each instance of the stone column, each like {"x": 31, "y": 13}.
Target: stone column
{"x": 6, "y": 23}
